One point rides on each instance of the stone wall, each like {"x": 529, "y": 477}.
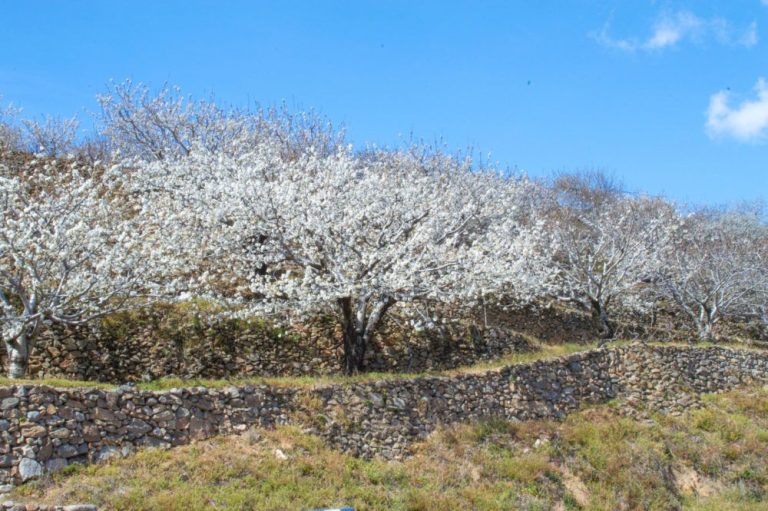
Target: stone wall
{"x": 385, "y": 417}
{"x": 176, "y": 340}
{"x": 44, "y": 429}
{"x": 151, "y": 344}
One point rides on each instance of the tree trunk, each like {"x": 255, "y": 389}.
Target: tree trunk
{"x": 18, "y": 357}
{"x": 355, "y": 347}
{"x": 354, "y": 340}
{"x": 351, "y": 340}
{"x": 706, "y": 323}
{"x": 358, "y": 325}
{"x": 706, "y": 333}
{"x": 605, "y": 328}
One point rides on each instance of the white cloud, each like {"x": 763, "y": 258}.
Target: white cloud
{"x": 749, "y": 37}
{"x": 671, "y": 29}
{"x": 747, "y": 121}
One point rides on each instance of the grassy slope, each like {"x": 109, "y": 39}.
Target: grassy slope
{"x": 708, "y": 459}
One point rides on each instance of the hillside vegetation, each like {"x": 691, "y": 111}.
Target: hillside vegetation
{"x": 273, "y": 218}
{"x": 711, "y": 458}
{"x": 190, "y": 243}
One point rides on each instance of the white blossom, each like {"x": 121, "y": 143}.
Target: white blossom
{"x": 353, "y": 234}
{"x": 69, "y": 251}
{"x": 715, "y": 267}
{"x": 607, "y": 244}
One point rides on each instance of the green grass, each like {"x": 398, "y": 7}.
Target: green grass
{"x": 707, "y": 459}
{"x": 55, "y": 382}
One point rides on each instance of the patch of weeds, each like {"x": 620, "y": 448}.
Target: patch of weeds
{"x": 525, "y": 469}
{"x": 570, "y": 504}
{"x": 492, "y": 427}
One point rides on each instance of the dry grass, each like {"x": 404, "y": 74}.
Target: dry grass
{"x": 708, "y": 459}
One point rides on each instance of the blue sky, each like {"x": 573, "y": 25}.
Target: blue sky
{"x": 664, "y": 94}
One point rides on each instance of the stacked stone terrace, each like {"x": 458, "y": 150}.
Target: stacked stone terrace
{"x": 43, "y": 429}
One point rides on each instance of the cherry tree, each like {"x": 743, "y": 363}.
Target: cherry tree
{"x": 52, "y": 136}
{"x": 607, "y": 243}
{"x": 341, "y": 233}
{"x": 10, "y": 134}
{"x": 49, "y": 136}
{"x": 160, "y": 125}
{"x": 70, "y": 250}
{"x": 715, "y": 267}
{"x": 761, "y": 296}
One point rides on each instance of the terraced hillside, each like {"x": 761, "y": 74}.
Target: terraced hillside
{"x": 712, "y": 458}
{"x": 627, "y": 427}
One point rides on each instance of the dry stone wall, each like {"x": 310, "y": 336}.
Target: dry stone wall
{"x": 167, "y": 341}
{"x": 386, "y": 417}
{"x": 221, "y": 351}
{"x": 43, "y": 429}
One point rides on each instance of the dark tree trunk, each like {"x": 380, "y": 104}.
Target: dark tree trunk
{"x": 354, "y": 339}
{"x": 599, "y": 313}
{"x": 358, "y": 324}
